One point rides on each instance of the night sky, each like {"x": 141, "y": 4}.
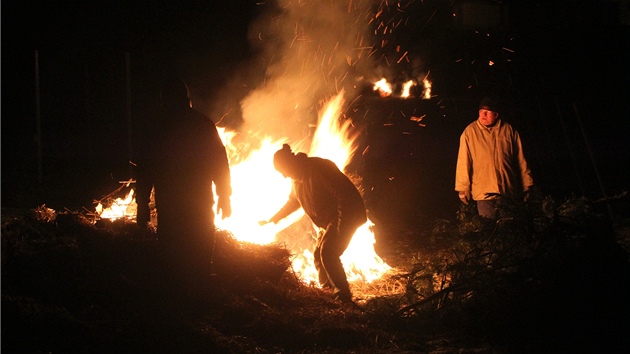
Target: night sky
{"x": 560, "y": 69}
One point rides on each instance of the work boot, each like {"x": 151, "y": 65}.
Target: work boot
{"x": 328, "y": 288}
{"x": 347, "y": 302}
{"x": 344, "y": 297}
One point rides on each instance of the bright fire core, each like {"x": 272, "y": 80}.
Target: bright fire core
{"x": 259, "y": 191}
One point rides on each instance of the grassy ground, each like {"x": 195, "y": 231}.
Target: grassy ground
{"x": 546, "y": 277}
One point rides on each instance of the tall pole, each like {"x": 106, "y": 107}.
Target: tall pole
{"x": 88, "y": 113}
{"x": 38, "y": 121}
{"x": 590, "y": 150}
{"x": 568, "y": 141}
{"x": 129, "y": 125}
{"x": 592, "y": 157}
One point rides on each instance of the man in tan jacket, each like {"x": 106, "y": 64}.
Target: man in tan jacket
{"x": 490, "y": 163}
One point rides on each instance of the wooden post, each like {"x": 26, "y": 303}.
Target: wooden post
{"x": 38, "y": 121}
{"x": 568, "y": 142}
{"x": 590, "y": 150}
{"x": 129, "y": 123}
{"x": 592, "y": 157}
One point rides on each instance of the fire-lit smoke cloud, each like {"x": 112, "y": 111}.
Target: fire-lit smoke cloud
{"x": 309, "y": 50}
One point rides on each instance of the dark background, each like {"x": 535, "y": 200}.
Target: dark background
{"x": 560, "y": 68}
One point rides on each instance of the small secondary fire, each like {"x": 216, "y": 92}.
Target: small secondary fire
{"x": 386, "y": 89}
{"x": 119, "y": 208}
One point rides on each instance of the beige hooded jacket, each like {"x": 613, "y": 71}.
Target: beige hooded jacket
{"x": 491, "y": 161}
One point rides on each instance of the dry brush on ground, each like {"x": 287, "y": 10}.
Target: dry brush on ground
{"x": 545, "y": 276}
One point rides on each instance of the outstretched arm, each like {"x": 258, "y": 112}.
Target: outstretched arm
{"x": 289, "y": 207}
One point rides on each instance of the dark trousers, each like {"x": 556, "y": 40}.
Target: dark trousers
{"x": 186, "y": 243}
{"x": 487, "y": 208}
{"x": 331, "y": 244}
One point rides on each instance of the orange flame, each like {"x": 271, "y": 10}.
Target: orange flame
{"x": 427, "y": 89}
{"x": 258, "y": 191}
{"x": 406, "y": 91}
{"x": 383, "y": 87}
{"x": 119, "y": 208}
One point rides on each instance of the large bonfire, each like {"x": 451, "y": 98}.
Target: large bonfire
{"x": 259, "y": 191}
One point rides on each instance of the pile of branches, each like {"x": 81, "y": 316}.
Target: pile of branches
{"x": 544, "y": 275}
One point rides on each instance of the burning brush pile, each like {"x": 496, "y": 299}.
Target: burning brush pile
{"x": 546, "y": 277}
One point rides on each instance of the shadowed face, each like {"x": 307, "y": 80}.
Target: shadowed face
{"x": 284, "y": 170}
{"x": 488, "y": 117}
{"x": 285, "y": 165}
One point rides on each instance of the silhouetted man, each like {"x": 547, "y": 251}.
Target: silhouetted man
{"x": 181, "y": 156}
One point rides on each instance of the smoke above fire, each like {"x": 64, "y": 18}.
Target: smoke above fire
{"x": 305, "y": 52}
{"x": 309, "y": 51}
{"x": 312, "y": 53}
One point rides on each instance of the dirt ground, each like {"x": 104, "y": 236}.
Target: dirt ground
{"x": 456, "y": 286}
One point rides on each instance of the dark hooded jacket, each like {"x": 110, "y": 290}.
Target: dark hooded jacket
{"x": 324, "y": 192}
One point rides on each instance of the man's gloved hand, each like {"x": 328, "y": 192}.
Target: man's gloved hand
{"x": 224, "y": 208}
{"x": 464, "y": 197}
{"x": 270, "y": 221}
